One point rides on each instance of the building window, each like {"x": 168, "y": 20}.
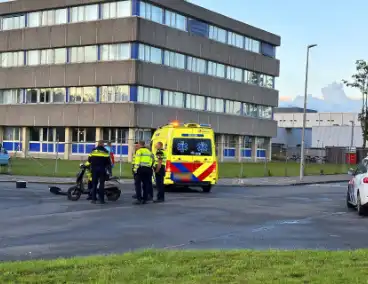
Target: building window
{"x": 115, "y": 135}
{"x": 195, "y": 102}
{"x": 149, "y": 95}
{"x": 143, "y": 135}
{"x": 150, "y": 54}
{"x": 33, "y": 57}
{"x": 251, "y": 77}
{"x": 119, "y": 9}
{"x": 47, "y": 57}
{"x": 235, "y": 39}
{"x": 232, "y": 107}
{"x": 246, "y": 142}
{"x": 111, "y": 52}
{"x": 48, "y": 18}
{"x": 261, "y": 143}
{"x": 84, "y": 13}
{"x": 13, "y": 22}
{"x": 114, "y": 94}
{"x": 47, "y": 95}
{"x": 217, "y": 34}
{"x": 230, "y": 141}
{"x": 215, "y": 105}
{"x": 60, "y": 55}
{"x": 246, "y": 109}
{"x": 265, "y": 112}
{"x": 233, "y": 73}
{"x": 174, "y": 59}
{"x": 252, "y": 45}
{"x": 151, "y": 12}
{"x": 12, "y": 59}
{"x": 83, "y": 135}
{"x": 61, "y": 16}
{"x": 253, "y": 110}
{"x": 173, "y": 99}
{"x": 34, "y": 19}
{"x": 266, "y": 81}
{"x": 82, "y": 95}
{"x": 83, "y": 54}
{"x": 196, "y": 65}
{"x": 12, "y": 134}
{"x": 10, "y": 97}
{"x": 175, "y": 20}
{"x": 216, "y": 69}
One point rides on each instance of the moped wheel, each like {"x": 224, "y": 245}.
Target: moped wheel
{"x": 113, "y": 194}
{"x": 74, "y": 193}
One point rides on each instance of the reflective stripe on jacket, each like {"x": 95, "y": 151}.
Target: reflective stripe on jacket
{"x": 160, "y": 155}
{"x": 99, "y": 158}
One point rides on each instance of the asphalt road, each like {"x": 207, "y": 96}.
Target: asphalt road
{"x": 37, "y": 224}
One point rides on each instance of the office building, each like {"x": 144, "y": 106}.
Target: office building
{"x": 76, "y": 71}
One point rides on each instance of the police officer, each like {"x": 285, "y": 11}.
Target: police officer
{"x": 159, "y": 168}
{"x": 100, "y": 161}
{"x": 143, "y": 161}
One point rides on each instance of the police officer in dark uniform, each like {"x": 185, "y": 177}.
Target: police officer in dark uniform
{"x": 100, "y": 161}
{"x": 159, "y": 168}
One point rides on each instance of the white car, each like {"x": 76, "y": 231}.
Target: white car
{"x": 357, "y": 194}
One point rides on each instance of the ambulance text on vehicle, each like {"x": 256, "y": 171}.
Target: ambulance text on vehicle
{"x": 191, "y": 154}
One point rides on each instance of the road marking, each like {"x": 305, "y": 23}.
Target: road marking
{"x": 328, "y": 185}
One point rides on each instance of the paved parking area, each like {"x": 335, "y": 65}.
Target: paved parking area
{"x": 37, "y": 224}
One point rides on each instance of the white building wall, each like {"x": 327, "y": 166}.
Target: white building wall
{"x": 339, "y": 136}
{"x": 295, "y": 120}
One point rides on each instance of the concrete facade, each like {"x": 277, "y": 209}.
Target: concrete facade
{"x": 135, "y": 30}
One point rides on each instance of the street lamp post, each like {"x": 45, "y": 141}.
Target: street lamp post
{"x": 302, "y": 159}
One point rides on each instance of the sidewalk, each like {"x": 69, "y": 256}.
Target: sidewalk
{"x": 265, "y": 181}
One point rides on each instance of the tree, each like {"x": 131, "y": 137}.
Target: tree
{"x": 359, "y": 81}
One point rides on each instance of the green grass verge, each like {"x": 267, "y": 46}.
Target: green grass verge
{"x": 202, "y": 267}
{"x": 68, "y": 168}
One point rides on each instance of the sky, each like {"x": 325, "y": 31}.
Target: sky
{"x": 333, "y": 25}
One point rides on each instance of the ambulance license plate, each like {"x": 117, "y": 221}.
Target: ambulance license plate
{"x": 183, "y": 176}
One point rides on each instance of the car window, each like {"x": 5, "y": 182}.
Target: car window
{"x": 362, "y": 168}
{"x": 192, "y": 147}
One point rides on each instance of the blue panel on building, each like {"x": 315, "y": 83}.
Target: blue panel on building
{"x": 17, "y": 146}
{"x": 74, "y": 148}
{"x": 135, "y": 8}
{"x": 246, "y": 153}
{"x": 268, "y": 49}
{"x": 134, "y": 50}
{"x": 198, "y": 28}
{"x": 61, "y": 148}
{"x": 9, "y": 146}
{"x": 50, "y": 148}
{"x": 89, "y": 148}
{"x": 133, "y": 93}
{"x": 80, "y": 149}
{"x": 229, "y": 153}
{"x": 44, "y": 147}
{"x": 34, "y": 147}
{"x": 261, "y": 153}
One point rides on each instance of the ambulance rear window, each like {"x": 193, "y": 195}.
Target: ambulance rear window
{"x": 191, "y": 147}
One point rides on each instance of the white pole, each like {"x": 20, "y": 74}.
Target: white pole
{"x": 305, "y": 113}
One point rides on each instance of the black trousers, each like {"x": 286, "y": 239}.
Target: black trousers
{"x": 160, "y": 183}
{"x": 143, "y": 176}
{"x": 98, "y": 177}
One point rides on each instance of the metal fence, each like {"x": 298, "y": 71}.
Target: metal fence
{"x": 237, "y": 160}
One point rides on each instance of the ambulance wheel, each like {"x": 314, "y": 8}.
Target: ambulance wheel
{"x": 207, "y": 188}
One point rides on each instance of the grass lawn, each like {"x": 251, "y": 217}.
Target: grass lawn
{"x": 68, "y": 168}
{"x": 196, "y": 267}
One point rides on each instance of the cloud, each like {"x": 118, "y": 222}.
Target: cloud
{"x": 333, "y": 99}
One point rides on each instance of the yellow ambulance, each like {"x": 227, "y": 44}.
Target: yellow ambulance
{"x": 191, "y": 154}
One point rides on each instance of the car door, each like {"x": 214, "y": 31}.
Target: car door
{"x": 360, "y": 173}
